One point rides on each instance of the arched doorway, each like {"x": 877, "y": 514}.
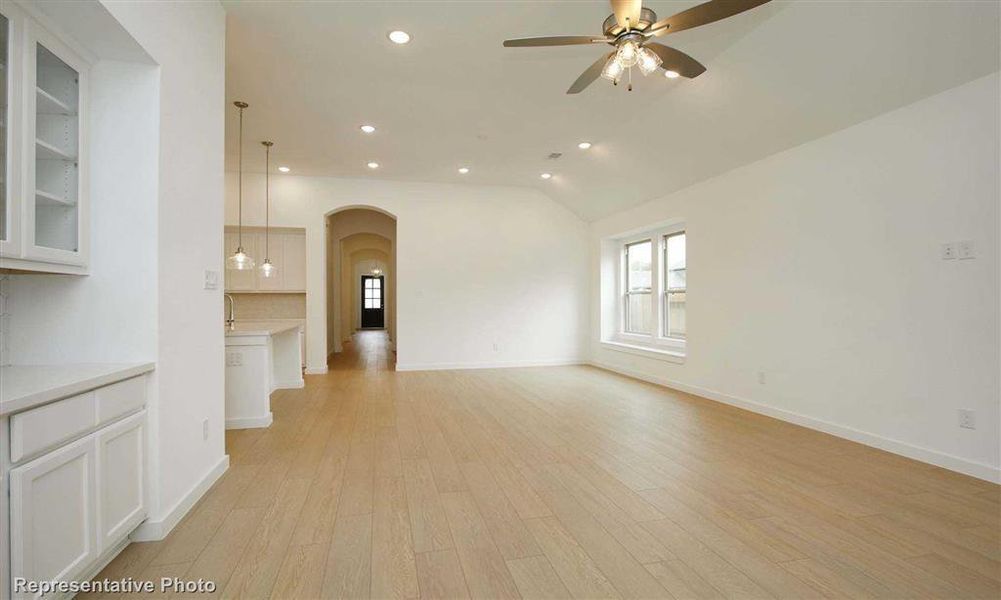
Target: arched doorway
{"x": 361, "y": 243}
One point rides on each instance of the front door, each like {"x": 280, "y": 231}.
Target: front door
{"x": 373, "y": 302}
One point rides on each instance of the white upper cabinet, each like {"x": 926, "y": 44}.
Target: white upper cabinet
{"x": 295, "y": 261}
{"x": 286, "y": 247}
{"x": 45, "y": 213}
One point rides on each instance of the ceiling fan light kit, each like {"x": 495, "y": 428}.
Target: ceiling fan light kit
{"x": 630, "y": 29}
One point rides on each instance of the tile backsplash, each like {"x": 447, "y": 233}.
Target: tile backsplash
{"x": 256, "y": 307}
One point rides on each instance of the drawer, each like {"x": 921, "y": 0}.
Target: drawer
{"x": 119, "y": 399}
{"x": 35, "y": 430}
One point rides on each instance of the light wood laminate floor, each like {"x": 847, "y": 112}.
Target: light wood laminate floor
{"x": 564, "y": 482}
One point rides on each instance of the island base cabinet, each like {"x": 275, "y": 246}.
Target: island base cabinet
{"x": 70, "y": 506}
{"x": 53, "y": 520}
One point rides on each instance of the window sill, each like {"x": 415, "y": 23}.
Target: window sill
{"x": 672, "y": 356}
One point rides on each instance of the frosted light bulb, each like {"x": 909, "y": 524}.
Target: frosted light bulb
{"x": 268, "y": 270}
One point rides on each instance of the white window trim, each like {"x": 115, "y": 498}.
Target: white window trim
{"x": 656, "y": 345}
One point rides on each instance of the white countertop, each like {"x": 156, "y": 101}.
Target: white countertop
{"x": 249, "y": 328}
{"x": 27, "y": 386}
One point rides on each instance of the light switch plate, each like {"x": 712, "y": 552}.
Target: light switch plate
{"x": 211, "y": 280}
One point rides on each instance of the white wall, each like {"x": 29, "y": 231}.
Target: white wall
{"x": 110, "y": 315}
{"x": 476, "y": 266}
{"x": 187, "y": 40}
{"x": 820, "y": 267}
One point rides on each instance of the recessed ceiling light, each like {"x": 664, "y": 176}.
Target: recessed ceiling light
{"x": 373, "y": 165}
{"x": 547, "y": 175}
{"x": 672, "y": 74}
{"x": 284, "y": 169}
{"x": 463, "y": 170}
{"x": 368, "y": 128}
{"x": 584, "y": 145}
{"x": 399, "y": 37}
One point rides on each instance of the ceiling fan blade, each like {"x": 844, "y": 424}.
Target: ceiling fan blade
{"x": 627, "y": 12}
{"x": 587, "y": 77}
{"x": 676, "y": 60}
{"x": 556, "y": 40}
{"x": 711, "y": 11}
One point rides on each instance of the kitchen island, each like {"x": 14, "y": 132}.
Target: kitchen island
{"x": 261, "y": 356}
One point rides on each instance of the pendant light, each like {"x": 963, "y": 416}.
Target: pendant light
{"x": 267, "y": 269}
{"x": 240, "y": 261}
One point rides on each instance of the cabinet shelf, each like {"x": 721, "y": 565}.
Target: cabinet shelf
{"x": 48, "y": 199}
{"x": 47, "y": 104}
{"x": 46, "y": 151}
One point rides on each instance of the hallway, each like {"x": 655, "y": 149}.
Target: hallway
{"x": 563, "y": 482}
{"x": 369, "y": 350}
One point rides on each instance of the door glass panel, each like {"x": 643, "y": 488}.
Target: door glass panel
{"x": 57, "y": 148}
{"x": 4, "y": 120}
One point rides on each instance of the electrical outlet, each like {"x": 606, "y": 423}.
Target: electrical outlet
{"x": 496, "y": 347}
{"x": 948, "y": 251}
{"x": 234, "y": 359}
{"x": 965, "y": 250}
{"x": 211, "y": 280}
{"x": 967, "y": 418}
{"x": 205, "y": 429}
{"x": 761, "y": 377}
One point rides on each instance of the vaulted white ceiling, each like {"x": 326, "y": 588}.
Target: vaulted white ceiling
{"x": 778, "y": 76}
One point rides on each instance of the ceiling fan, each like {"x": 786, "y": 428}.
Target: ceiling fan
{"x": 630, "y": 29}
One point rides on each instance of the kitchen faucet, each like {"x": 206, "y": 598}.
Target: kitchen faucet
{"x": 231, "y": 316}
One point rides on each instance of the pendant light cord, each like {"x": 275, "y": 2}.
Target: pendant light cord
{"x": 239, "y": 234}
{"x": 267, "y": 202}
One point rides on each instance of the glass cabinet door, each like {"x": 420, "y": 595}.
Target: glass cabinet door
{"x": 5, "y": 86}
{"x": 57, "y": 152}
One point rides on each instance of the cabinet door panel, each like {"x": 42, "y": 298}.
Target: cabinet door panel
{"x": 11, "y": 30}
{"x": 121, "y": 478}
{"x": 53, "y": 503}
{"x": 56, "y": 160}
{"x": 295, "y": 261}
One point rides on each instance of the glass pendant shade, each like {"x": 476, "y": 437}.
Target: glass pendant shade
{"x": 268, "y": 270}
{"x": 613, "y": 69}
{"x": 628, "y": 54}
{"x": 240, "y": 261}
{"x": 648, "y": 61}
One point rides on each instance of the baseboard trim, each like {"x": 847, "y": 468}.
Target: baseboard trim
{"x": 488, "y": 365}
{"x": 152, "y": 530}
{"x": 289, "y": 385}
{"x": 925, "y": 455}
{"x": 316, "y": 370}
{"x": 250, "y": 422}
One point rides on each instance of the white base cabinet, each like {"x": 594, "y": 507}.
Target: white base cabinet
{"x": 77, "y": 482}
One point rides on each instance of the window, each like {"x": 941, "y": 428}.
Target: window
{"x": 639, "y": 288}
{"x": 373, "y": 292}
{"x": 674, "y": 289}
{"x": 652, "y": 290}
